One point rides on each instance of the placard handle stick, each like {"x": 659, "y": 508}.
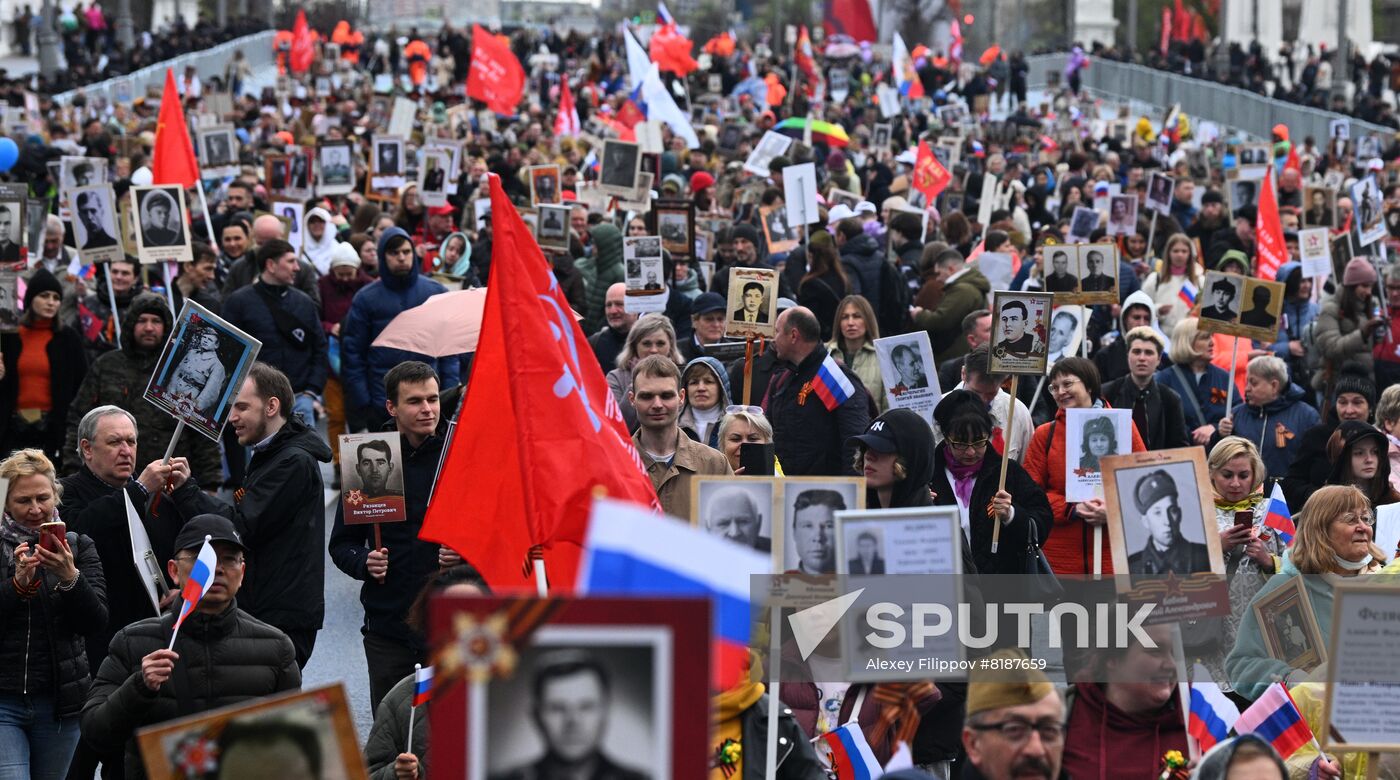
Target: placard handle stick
{"x": 174, "y": 437}
{"x": 1230, "y": 385}
{"x": 541, "y": 582}
{"x": 1098, "y": 552}
{"x": 748, "y": 372}
{"x": 112, "y": 302}
{"x": 378, "y": 539}
{"x": 1183, "y": 687}
{"x": 412, "y": 710}
{"x": 169, "y": 285}
{"x": 1005, "y": 458}
{"x": 775, "y": 628}
{"x": 1373, "y": 763}
{"x": 1151, "y": 232}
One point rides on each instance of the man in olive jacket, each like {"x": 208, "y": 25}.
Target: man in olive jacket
{"x": 222, "y": 655}
{"x": 964, "y": 291}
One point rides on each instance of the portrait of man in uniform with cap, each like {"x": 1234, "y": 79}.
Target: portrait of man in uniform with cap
{"x": 1222, "y": 301}
{"x": 1016, "y": 341}
{"x": 1166, "y": 550}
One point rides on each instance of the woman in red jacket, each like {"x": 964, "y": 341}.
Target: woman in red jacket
{"x": 1074, "y": 384}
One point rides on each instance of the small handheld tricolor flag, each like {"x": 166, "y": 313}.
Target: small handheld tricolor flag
{"x": 1212, "y": 712}
{"x": 422, "y": 684}
{"x": 1279, "y": 518}
{"x": 831, "y": 385}
{"x": 196, "y": 585}
{"x": 851, "y": 755}
{"x": 1276, "y": 719}
{"x": 1188, "y": 292}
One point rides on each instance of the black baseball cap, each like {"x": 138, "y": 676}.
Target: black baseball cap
{"x": 217, "y": 527}
{"x": 705, "y": 303}
{"x": 886, "y": 431}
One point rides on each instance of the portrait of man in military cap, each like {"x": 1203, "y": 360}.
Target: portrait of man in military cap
{"x": 1159, "y": 513}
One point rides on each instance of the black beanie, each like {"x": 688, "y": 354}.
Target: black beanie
{"x": 42, "y": 281}
{"x": 1361, "y": 384}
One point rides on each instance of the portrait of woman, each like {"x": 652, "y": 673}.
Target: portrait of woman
{"x": 1099, "y": 440}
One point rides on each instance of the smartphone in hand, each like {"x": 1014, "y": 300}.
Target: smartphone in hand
{"x": 756, "y": 459}
{"x": 51, "y": 536}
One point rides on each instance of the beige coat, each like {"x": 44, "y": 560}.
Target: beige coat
{"x": 672, "y": 482}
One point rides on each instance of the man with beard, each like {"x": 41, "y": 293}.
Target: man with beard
{"x": 1211, "y": 218}
{"x": 119, "y": 377}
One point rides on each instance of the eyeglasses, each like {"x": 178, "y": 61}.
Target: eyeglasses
{"x": 1017, "y": 731}
{"x": 1353, "y": 519}
{"x": 967, "y": 445}
{"x": 1064, "y": 386}
{"x": 754, "y": 410}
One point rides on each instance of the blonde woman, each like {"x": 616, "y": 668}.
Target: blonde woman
{"x": 853, "y": 343}
{"x": 1334, "y": 543}
{"x": 1166, "y": 283}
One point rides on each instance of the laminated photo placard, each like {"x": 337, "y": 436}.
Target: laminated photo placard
{"x": 910, "y": 373}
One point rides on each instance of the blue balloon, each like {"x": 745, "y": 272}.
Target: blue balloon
{"x": 9, "y": 154}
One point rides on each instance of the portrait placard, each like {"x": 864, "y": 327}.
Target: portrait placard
{"x": 1288, "y": 626}
{"x": 1218, "y": 302}
{"x": 1098, "y": 274}
{"x": 552, "y": 228}
{"x": 292, "y": 215}
{"x": 1061, "y": 269}
{"x": 772, "y": 145}
{"x": 1067, "y": 330}
{"x": 1362, "y": 697}
{"x": 909, "y": 372}
{"x": 387, "y": 170}
{"x": 201, "y": 370}
{"x": 335, "y": 168}
{"x": 636, "y": 671}
{"x": 800, "y": 194}
{"x": 1163, "y": 534}
{"x": 36, "y": 212}
{"x": 161, "y": 224}
{"x": 805, "y": 540}
{"x": 888, "y": 95}
{"x": 737, "y": 509}
{"x": 75, "y": 172}
{"x": 1369, "y": 209}
{"x": 620, "y": 164}
{"x": 218, "y": 151}
{"x": 453, "y": 150}
{"x": 9, "y": 301}
{"x": 95, "y": 228}
{"x": 372, "y": 492}
{"x": 432, "y": 177}
{"x": 1020, "y": 332}
{"x": 1082, "y": 224}
{"x": 1243, "y": 193}
{"x": 11, "y": 229}
{"x": 299, "y": 180}
{"x": 639, "y": 200}
{"x": 1315, "y": 251}
{"x": 275, "y": 167}
{"x": 675, "y": 223}
{"x": 1320, "y": 207}
{"x": 1090, "y": 435}
{"x": 544, "y": 184}
{"x": 1160, "y": 188}
{"x": 777, "y": 232}
{"x": 645, "y": 279}
{"x": 1261, "y": 309}
{"x": 1122, "y": 215}
{"x": 753, "y": 303}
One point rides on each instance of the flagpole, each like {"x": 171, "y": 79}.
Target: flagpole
{"x": 1005, "y": 459}
{"x": 112, "y": 302}
{"x": 1183, "y": 687}
{"x": 775, "y": 628}
{"x": 412, "y": 710}
{"x": 541, "y": 582}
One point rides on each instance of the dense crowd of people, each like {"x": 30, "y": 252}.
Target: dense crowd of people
{"x": 84, "y": 661}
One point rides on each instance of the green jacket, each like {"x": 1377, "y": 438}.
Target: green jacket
{"x": 600, "y": 271}
{"x": 961, "y": 296}
{"x": 389, "y": 733}
{"x": 1249, "y": 667}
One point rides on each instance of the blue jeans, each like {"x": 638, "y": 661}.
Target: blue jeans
{"x": 33, "y": 745}
{"x": 305, "y": 408}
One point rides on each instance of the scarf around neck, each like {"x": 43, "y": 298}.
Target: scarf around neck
{"x": 964, "y": 477}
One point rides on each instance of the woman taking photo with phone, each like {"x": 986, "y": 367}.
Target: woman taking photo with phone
{"x": 51, "y": 592}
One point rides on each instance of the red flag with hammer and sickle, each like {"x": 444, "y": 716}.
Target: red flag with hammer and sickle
{"x": 930, "y": 177}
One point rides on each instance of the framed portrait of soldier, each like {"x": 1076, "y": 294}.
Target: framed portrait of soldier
{"x": 646, "y": 287}
{"x": 218, "y": 150}
{"x": 1218, "y": 302}
{"x": 95, "y": 224}
{"x": 618, "y": 168}
{"x": 544, "y": 184}
{"x": 1243, "y": 193}
{"x": 372, "y": 491}
{"x": 275, "y": 171}
{"x": 432, "y": 177}
{"x": 11, "y": 230}
{"x": 1369, "y": 207}
{"x": 1260, "y": 307}
{"x": 1160, "y": 188}
{"x": 675, "y": 223}
{"x": 1319, "y": 207}
{"x": 805, "y": 539}
{"x": 779, "y": 236}
{"x": 617, "y": 684}
{"x": 736, "y": 509}
{"x": 387, "y": 170}
{"x": 909, "y": 372}
{"x": 1098, "y": 273}
{"x": 1090, "y": 436}
{"x": 1020, "y": 332}
{"x": 753, "y": 303}
{"x": 9, "y": 301}
{"x": 552, "y": 228}
{"x": 1067, "y": 332}
{"x": 1122, "y": 215}
{"x": 1163, "y": 533}
{"x": 201, "y": 370}
{"x": 75, "y": 172}
{"x": 305, "y": 733}
{"x": 1288, "y": 626}
{"x": 1082, "y": 224}
{"x": 335, "y": 168}
{"x": 161, "y": 224}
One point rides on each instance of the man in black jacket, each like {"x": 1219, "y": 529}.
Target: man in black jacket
{"x": 287, "y": 323}
{"x": 222, "y": 656}
{"x": 809, "y": 438}
{"x": 1156, "y": 409}
{"x": 395, "y": 573}
{"x": 279, "y": 512}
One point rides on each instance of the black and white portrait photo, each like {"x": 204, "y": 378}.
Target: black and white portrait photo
{"x": 1160, "y": 514}
{"x": 11, "y": 223}
{"x": 771, "y": 146}
{"x": 1065, "y": 334}
{"x": 335, "y": 167}
{"x": 1244, "y": 193}
{"x": 218, "y": 147}
{"x": 9, "y": 302}
{"x": 372, "y": 492}
{"x": 1219, "y": 298}
{"x": 880, "y": 140}
{"x": 1369, "y": 206}
{"x": 161, "y": 224}
{"x": 1083, "y": 223}
{"x": 908, "y": 372}
{"x": 1098, "y": 268}
{"x": 1122, "y": 215}
{"x": 809, "y": 522}
{"x": 552, "y": 227}
{"x": 1160, "y": 188}
{"x": 544, "y": 184}
{"x": 621, "y": 162}
{"x": 1062, "y": 269}
{"x": 738, "y": 509}
{"x": 1091, "y": 435}
{"x": 299, "y": 171}
{"x": 95, "y": 228}
{"x": 432, "y": 177}
{"x": 753, "y": 303}
{"x": 1020, "y": 329}
{"x": 865, "y": 551}
{"x": 776, "y": 232}
{"x": 582, "y": 696}
{"x": 388, "y": 156}
{"x": 201, "y": 370}
{"x": 78, "y": 172}
{"x": 1319, "y": 207}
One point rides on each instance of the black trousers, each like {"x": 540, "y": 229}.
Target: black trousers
{"x": 303, "y": 641}
{"x": 388, "y": 662}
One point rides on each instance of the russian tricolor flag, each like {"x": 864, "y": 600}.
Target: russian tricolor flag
{"x": 1188, "y": 292}
{"x": 201, "y": 577}
{"x": 831, "y": 385}
{"x": 1279, "y": 518}
{"x": 422, "y": 685}
{"x": 631, "y": 551}
{"x": 1276, "y": 719}
{"x": 1212, "y": 712}
{"x": 851, "y": 755}
{"x": 663, "y": 14}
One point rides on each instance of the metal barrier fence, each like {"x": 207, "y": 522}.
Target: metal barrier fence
{"x": 257, "y": 48}
{"x": 1230, "y": 107}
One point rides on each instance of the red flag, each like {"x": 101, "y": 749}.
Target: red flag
{"x": 1268, "y": 232}
{"x": 1292, "y": 162}
{"x": 303, "y": 50}
{"x": 496, "y": 77}
{"x": 538, "y": 433}
{"x": 930, "y": 177}
{"x": 566, "y": 121}
{"x": 671, "y": 51}
{"x": 1165, "y": 43}
{"x": 173, "y": 161}
{"x": 802, "y": 55}
{"x": 851, "y": 17}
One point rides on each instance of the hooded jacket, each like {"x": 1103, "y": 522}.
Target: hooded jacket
{"x": 363, "y": 366}
{"x": 1276, "y": 428}
{"x": 1352, "y": 433}
{"x": 1297, "y": 315}
{"x": 318, "y": 253}
{"x": 119, "y": 378}
{"x": 97, "y": 304}
{"x": 1112, "y": 360}
{"x": 1215, "y": 765}
{"x": 1102, "y": 741}
{"x": 600, "y": 271}
{"x": 687, "y": 417}
{"x": 962, "y": 295}
{"x": 280, "y": 514}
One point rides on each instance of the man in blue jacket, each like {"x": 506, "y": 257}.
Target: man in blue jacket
{"x": 287, "y": 322}
{"x": 400, "y": 287}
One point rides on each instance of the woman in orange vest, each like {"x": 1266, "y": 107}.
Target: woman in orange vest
{"x": 418, "y": 55}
